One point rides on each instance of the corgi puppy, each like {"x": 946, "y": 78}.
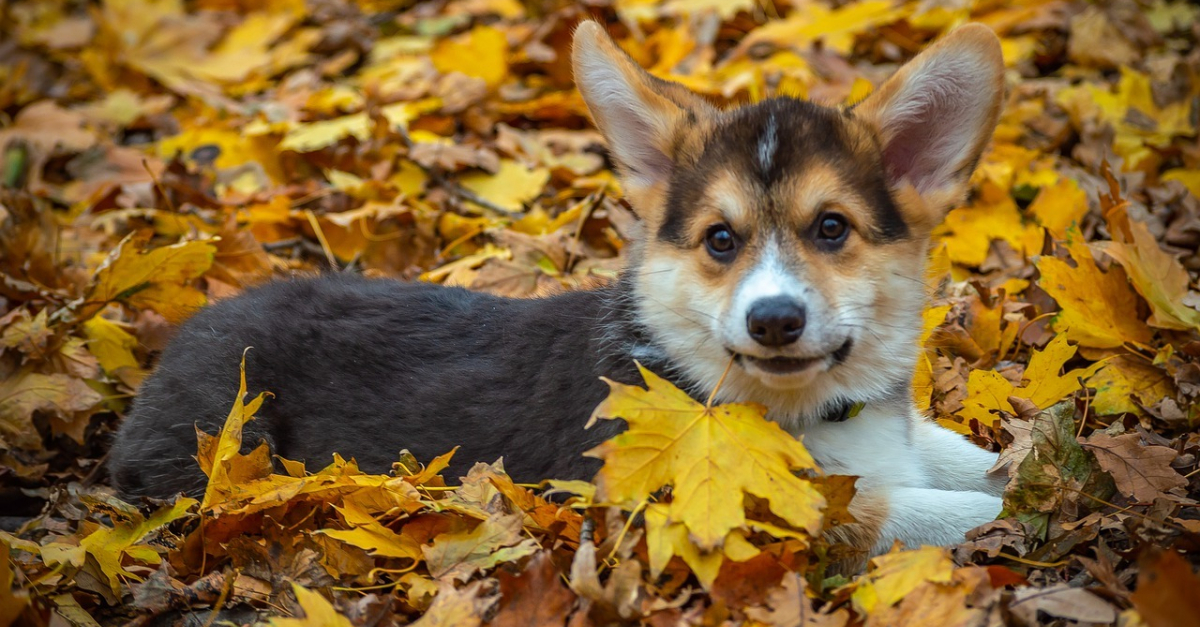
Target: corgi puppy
{"x": 785, "y": 236}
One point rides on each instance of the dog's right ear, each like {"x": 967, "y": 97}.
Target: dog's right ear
{"x": 639, "y": 115}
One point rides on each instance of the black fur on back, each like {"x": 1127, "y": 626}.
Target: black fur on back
{"x": 366, "y": 368}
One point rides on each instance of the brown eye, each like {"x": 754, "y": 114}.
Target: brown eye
{"x": 720, "y": 242}
{"x": 832, "y": 228}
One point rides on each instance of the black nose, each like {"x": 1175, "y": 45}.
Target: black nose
{"x": 775, "y": 321}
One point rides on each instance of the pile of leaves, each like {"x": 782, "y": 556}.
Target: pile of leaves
{"x": 156, "y": 155}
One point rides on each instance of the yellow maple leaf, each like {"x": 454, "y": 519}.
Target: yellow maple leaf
{"x": 1156, "y": 274}
{"x": 109, "y": 546}
{"x": 317, "y": 612}
{"x": 369, "y": 534}
{"x": 968, "y": 231}
{"x": 156, "y": 278}
{"x": 1098, "y": 309}
{"x": 710, "y": 455}
{"x": 923, "y": 378}
{"x": 511, "y": 186}
{"x": 1124, "y": 380}
{"x": 480, "y": 53}
{"x": 988, "y": 390}
{"x": 317, "y": 135}
{"x": 225, "y": 466}
{"x": 233, "y": 149}
{"x": 665, "y": 539}
{"x": 835, "y": 27}
{"x": 111, "y": 344}
{"x": 898, "y": 573}
{"x": 1057, "y": 208}
{"x": 13, "y": 599}
{"x": 1140, "y": 124}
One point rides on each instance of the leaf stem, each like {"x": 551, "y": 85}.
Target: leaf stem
{"x": 1029, "y": 562}
{"x": 711, "y": 397}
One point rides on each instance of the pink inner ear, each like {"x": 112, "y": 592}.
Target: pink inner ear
{"x": 934, "y": 124}
{"x": 902, "y": 157}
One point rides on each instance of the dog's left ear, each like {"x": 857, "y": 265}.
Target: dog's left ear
{"x": 936, "y": 114}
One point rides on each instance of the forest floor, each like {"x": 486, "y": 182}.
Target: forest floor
{"x": 156, "y": 155}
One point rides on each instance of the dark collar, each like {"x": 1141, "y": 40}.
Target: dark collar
{"x": 843, "y": 412}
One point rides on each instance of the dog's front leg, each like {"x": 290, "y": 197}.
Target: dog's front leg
{"x": 952, "y": 462}
{"x": 914, "y": 516}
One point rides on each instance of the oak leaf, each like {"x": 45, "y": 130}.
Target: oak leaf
{"x": 1055, "y": 471}
{"x": 711, "y": 456}
{"x": 1141, "y": 471}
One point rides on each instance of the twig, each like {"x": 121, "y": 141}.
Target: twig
{"x": 316, "y": 226}
{"x": 440, "y": 178}
{"x": 158, "y": 185}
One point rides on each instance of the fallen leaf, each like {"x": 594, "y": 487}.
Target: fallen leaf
{"x": 898, "y": 573}
{"x": 536, "y": 596}
{"x": 318, "y": 612}
{"x": 1168, "y": 591}
{"x": 1099, "y": 309}
{"x": 26, "y": 392}
{"x": 227, "y": 469}
{"x": 110, "y": 546}
{"x": 1055, "y": 470}
{"x": 13, "y": 600}
{"x": 709, "y": 455}
{"x": 499, "y": 539}
{"x": 367, "y": 533}
{"x": 1141, "y": 471}
{"x": 480, "y": 53}
{"x": 453, "y": 607}
{"x": 1157, "y": 275}
{"x": 988, "y": 391}
{"x": 156, "y": 278}
{"x": 1061, "y": 601}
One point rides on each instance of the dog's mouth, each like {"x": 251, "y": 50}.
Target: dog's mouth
{"x": 784, "y": 366}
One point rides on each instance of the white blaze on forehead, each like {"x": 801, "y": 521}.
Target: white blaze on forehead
{"x": 768, "y": 142}
{"x": 769, "y": 277}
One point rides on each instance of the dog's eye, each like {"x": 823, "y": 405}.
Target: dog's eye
{"x": 720, "y": 242}
{"x": 832, "y": 228}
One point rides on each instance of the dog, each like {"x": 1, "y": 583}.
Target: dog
{"x": 788, "y": 237}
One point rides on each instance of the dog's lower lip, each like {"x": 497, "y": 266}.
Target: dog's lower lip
{"x": 783, "y": 365}
{"x": 792, "y": 365}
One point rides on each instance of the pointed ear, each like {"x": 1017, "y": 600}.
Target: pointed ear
{"x": 936, "y": 114}
{"x": 639, "y": 115}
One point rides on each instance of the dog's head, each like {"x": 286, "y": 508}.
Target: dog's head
{"x": 788, "y": 236}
